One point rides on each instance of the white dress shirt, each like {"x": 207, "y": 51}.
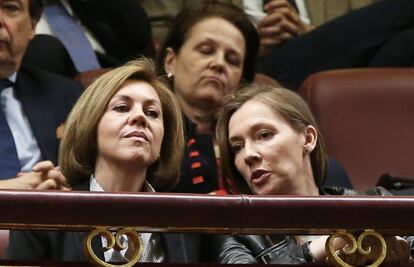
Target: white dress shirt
{"x": 254, "y": 10}
{"x": 153, "y": 250}
{"x": 27, "y": 148}
{"x": 43, "y": 27}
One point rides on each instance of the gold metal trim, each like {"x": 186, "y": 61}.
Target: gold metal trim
{"x": 356, "y": 245}
{"x": 113, "y": 242}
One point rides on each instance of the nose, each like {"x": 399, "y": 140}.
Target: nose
{"x": 1, "y": 18}
{"x": 138, "y": 117}
{"x": 218, "y": 62}
{"x": 251, "y": 154}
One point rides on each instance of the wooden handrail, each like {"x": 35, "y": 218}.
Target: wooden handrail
{"x": 163, "y": 212}
{"x": 168, "y": 212}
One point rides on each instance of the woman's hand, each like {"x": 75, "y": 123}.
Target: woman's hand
{"x": 44, "y": 176}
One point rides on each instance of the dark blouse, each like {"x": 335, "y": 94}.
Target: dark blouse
{"x": 199, "y": 169}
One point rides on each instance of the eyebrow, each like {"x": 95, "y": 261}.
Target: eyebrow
{"x": 234, "y": 138}
{"x": 125, "y": 97}
{"x": 255, "y": 127}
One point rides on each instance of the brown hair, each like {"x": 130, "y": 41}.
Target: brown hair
{"x": 78, "y": 149}
{"x": 286, "y": 103}
{"x": 189, "y": 17}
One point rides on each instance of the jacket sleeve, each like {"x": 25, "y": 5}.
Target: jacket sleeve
{"x": 228, "y": 249}
{"x": 241, "y": 249}
{"x": 286, "y": 252}
{"x": 27, "y": 245}
{"x": 410, "y": 240}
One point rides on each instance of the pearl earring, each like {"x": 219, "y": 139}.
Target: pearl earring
{"x": 169, "y": 75}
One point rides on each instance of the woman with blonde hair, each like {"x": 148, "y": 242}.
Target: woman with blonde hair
{"x": 124, "y": 134}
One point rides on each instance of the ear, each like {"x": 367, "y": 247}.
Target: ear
{"x": 169, "y": 62}
{"x": 33, "y": 24}
{"x": 311, "y": 137}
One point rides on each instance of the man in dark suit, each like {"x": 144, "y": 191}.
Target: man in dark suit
{"x": 117, "y": 31}
{"x": 34, "y": 104}
{"x": 378, "y": 35}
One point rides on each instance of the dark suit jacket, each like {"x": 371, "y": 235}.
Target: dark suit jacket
{"x": 122, "y": 27}
{"x": 68, "y": 246}
{"x": 47, "y": 100}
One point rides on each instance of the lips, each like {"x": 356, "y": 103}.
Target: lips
{"x": 137, "y": 135}
{"x": 259, "y": 176}
{"x": 4, "y": 39}
{"x": 215, "y": 79}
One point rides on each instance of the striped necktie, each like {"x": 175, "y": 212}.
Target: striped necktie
{"x": 9, "y": 161}
{"x": 69, "y": 32}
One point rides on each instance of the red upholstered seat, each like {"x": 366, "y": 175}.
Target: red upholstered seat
{"x": 366, "y": 117}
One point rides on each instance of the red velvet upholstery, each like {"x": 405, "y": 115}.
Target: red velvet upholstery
{"x": 366, "y": 117}
{"x": 86, "y": 78}
{"x": 263, "y": 79}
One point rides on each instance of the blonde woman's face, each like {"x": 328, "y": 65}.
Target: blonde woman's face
{"x": 131, "y": 129}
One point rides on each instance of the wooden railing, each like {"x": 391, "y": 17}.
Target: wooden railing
{"x": 192, "y": 213}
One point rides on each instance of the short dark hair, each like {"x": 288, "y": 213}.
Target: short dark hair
{"x": 36, "y": 8}
{"x": 189, "y": 17}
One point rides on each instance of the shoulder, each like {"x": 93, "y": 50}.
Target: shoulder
{"x": 338, "y": 191}
{"x": 341, "y": 191}
{"x": 49, "y": 81}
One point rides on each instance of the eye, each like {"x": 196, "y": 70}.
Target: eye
{"x": 206, "y": 49}
{"x": 264, "y": 135}
{"x": 236, "y": 147}
{"x": 11, "y": 7}
{"x": 233, "y": 59}
{"x": 152, "y": 113}
{"x": 121, "y": 108}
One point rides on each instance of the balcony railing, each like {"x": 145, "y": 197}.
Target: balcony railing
{"x": 194, "y": 213}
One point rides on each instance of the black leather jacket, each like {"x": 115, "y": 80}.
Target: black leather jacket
{"x": 251, "y": 249}
{"x": 240, "y": 249}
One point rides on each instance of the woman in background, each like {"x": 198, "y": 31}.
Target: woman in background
{"x": 207, "y": 52}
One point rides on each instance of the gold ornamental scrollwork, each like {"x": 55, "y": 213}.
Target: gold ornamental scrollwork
{"x": 115, "y": 243}
{"x": 354, "y": 247}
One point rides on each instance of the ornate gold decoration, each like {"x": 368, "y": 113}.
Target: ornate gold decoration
{"x": 113, "y": 242}
{"x": 356, "y": 245}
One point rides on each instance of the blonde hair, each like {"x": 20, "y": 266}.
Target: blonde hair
{"x": 78, "y": 149}
{"x": 284, "y": 102}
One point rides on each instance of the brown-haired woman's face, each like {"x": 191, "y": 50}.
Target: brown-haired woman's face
{"x": 268, "y": 152}
{"x": 209, "y": 64}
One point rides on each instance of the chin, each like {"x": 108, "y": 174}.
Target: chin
{"x": 211, "y": 101}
